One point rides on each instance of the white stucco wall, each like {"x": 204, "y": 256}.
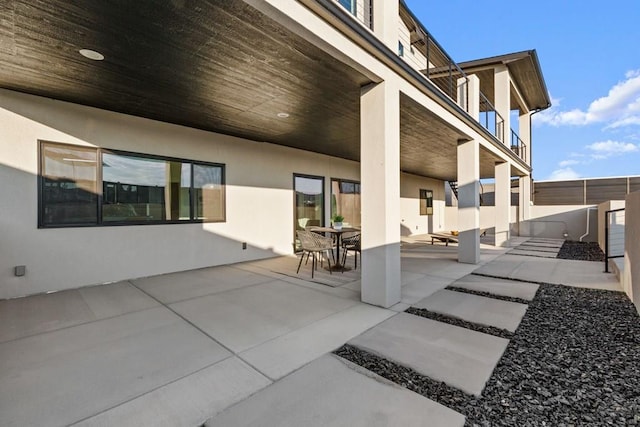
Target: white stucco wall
{"x": 487, "y": 217}
{"x": 259, "y": 199}
{"x": 553, "y": 221}
{"x": 411, "y": 220}
{"x": 631, "y": 274}
{"x": 414, "y": 57}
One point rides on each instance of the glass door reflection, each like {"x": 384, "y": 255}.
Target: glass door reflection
{"x": 309, "y": 202}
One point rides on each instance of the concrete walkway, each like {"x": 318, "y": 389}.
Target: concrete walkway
{"x": 541, "y": 248}
{"x": 247, "y": 344}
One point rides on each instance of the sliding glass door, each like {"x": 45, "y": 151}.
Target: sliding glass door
{"x": 309, "y": 202}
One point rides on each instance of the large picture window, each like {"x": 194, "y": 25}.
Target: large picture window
{"x": 68, "y": 187}
{"x": 345, "y": 200}
{"x": 88, "y": 186}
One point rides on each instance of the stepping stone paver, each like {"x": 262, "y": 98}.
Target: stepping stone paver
{"x": 509, "y": 288}
{"x": 533, "y": 253}
{"x": 474, "y": 308}
{"x": 333, "y": 392}
{"x": 457, "y": 356}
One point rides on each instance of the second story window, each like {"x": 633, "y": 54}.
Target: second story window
{"x": 400, "y": 49}
{"x": 350, "y": 5}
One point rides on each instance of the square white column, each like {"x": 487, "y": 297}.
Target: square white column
{"x": 380, "y": 177}
{"x": 385, "y": 22}
{"x": 502, "y": 203}
{"x": 469, "y": 202}
{"x": 524, "y": 198}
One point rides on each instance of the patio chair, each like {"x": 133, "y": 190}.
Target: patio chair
{"x": 351, "y": 243}
{"x": 315, "y": 245}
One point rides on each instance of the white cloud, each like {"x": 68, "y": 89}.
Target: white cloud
{"x": 621, "y": 107}
{"x": 563, "y": 174}
{"x": 565, "y": 163}
{"x": 606, "y": 149}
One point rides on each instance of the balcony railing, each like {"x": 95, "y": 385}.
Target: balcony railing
{"x": 518, "y": 146}
{"x": 490, "y": 118}
{"x": 444, "y": 72}
{"x": 436, "y": 64}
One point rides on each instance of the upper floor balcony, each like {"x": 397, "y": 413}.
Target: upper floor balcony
{"x": 419, "y": 49}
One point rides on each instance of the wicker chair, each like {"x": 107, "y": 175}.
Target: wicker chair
{"x": 314, "y": 245}
{"x": 351, "y": 243}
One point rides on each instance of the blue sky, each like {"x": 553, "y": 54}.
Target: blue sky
{"x": 590, "y": 56}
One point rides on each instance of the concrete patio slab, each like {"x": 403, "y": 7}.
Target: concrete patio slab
{"x": 541, "y": 245}
{"x": 526, "y": 247}
{"x": 351, "y": 290}
{"x": 328, "y": 392}
{"x": 187, "y": 402}
{"x": 408, "y": 277}
{"x": 585, "y": 274}
{"x": 422, "y": 287}
{"x": 23, "y": 317}
{"x": 457, "y": 356}
{"x": 474, "y": 308}
{"x": 544, "y": 240}
{"x": 184, "y": 285}
{"x": 64, "y": 376}
{"x": 449, "y": 268}
{"x": 539, "y": 254}
{"x": 288, "y": 265}
{"x": 509, "y": 288}
{"x": 400, "y": 307}
{"x": 243, "y": 318}
{"x": 283, "y": 355}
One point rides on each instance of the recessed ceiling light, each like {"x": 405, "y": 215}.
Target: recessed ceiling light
{"x": 283, "y": 115}
{"x": 91, "y": 54}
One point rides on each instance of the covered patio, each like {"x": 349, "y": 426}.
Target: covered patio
{"x": 248, "y": 343}
{"x": 175, "y": 349}
{"x": 262, "y": 98}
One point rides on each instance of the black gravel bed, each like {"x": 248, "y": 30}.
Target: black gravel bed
{"x": 488, "y": 295}
{"x": 491, "y": 330}
{"x": 573, "y": 361}
{"x": 406, "y": 377}
{"x": 581, "y": 251}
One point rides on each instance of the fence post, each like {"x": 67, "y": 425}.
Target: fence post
{"x": 606, "y": 241}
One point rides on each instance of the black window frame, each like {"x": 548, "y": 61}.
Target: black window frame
{"x": 100, "y": 186}
{"x": 424, "y": 202}
{"x": 357, "y": 189}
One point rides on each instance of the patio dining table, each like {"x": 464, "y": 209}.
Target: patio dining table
{"x": 338, "y": 233}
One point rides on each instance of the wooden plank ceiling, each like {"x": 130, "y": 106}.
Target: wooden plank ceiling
{"x": 429, "y": 145}
{"x": 216, "y": 65}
